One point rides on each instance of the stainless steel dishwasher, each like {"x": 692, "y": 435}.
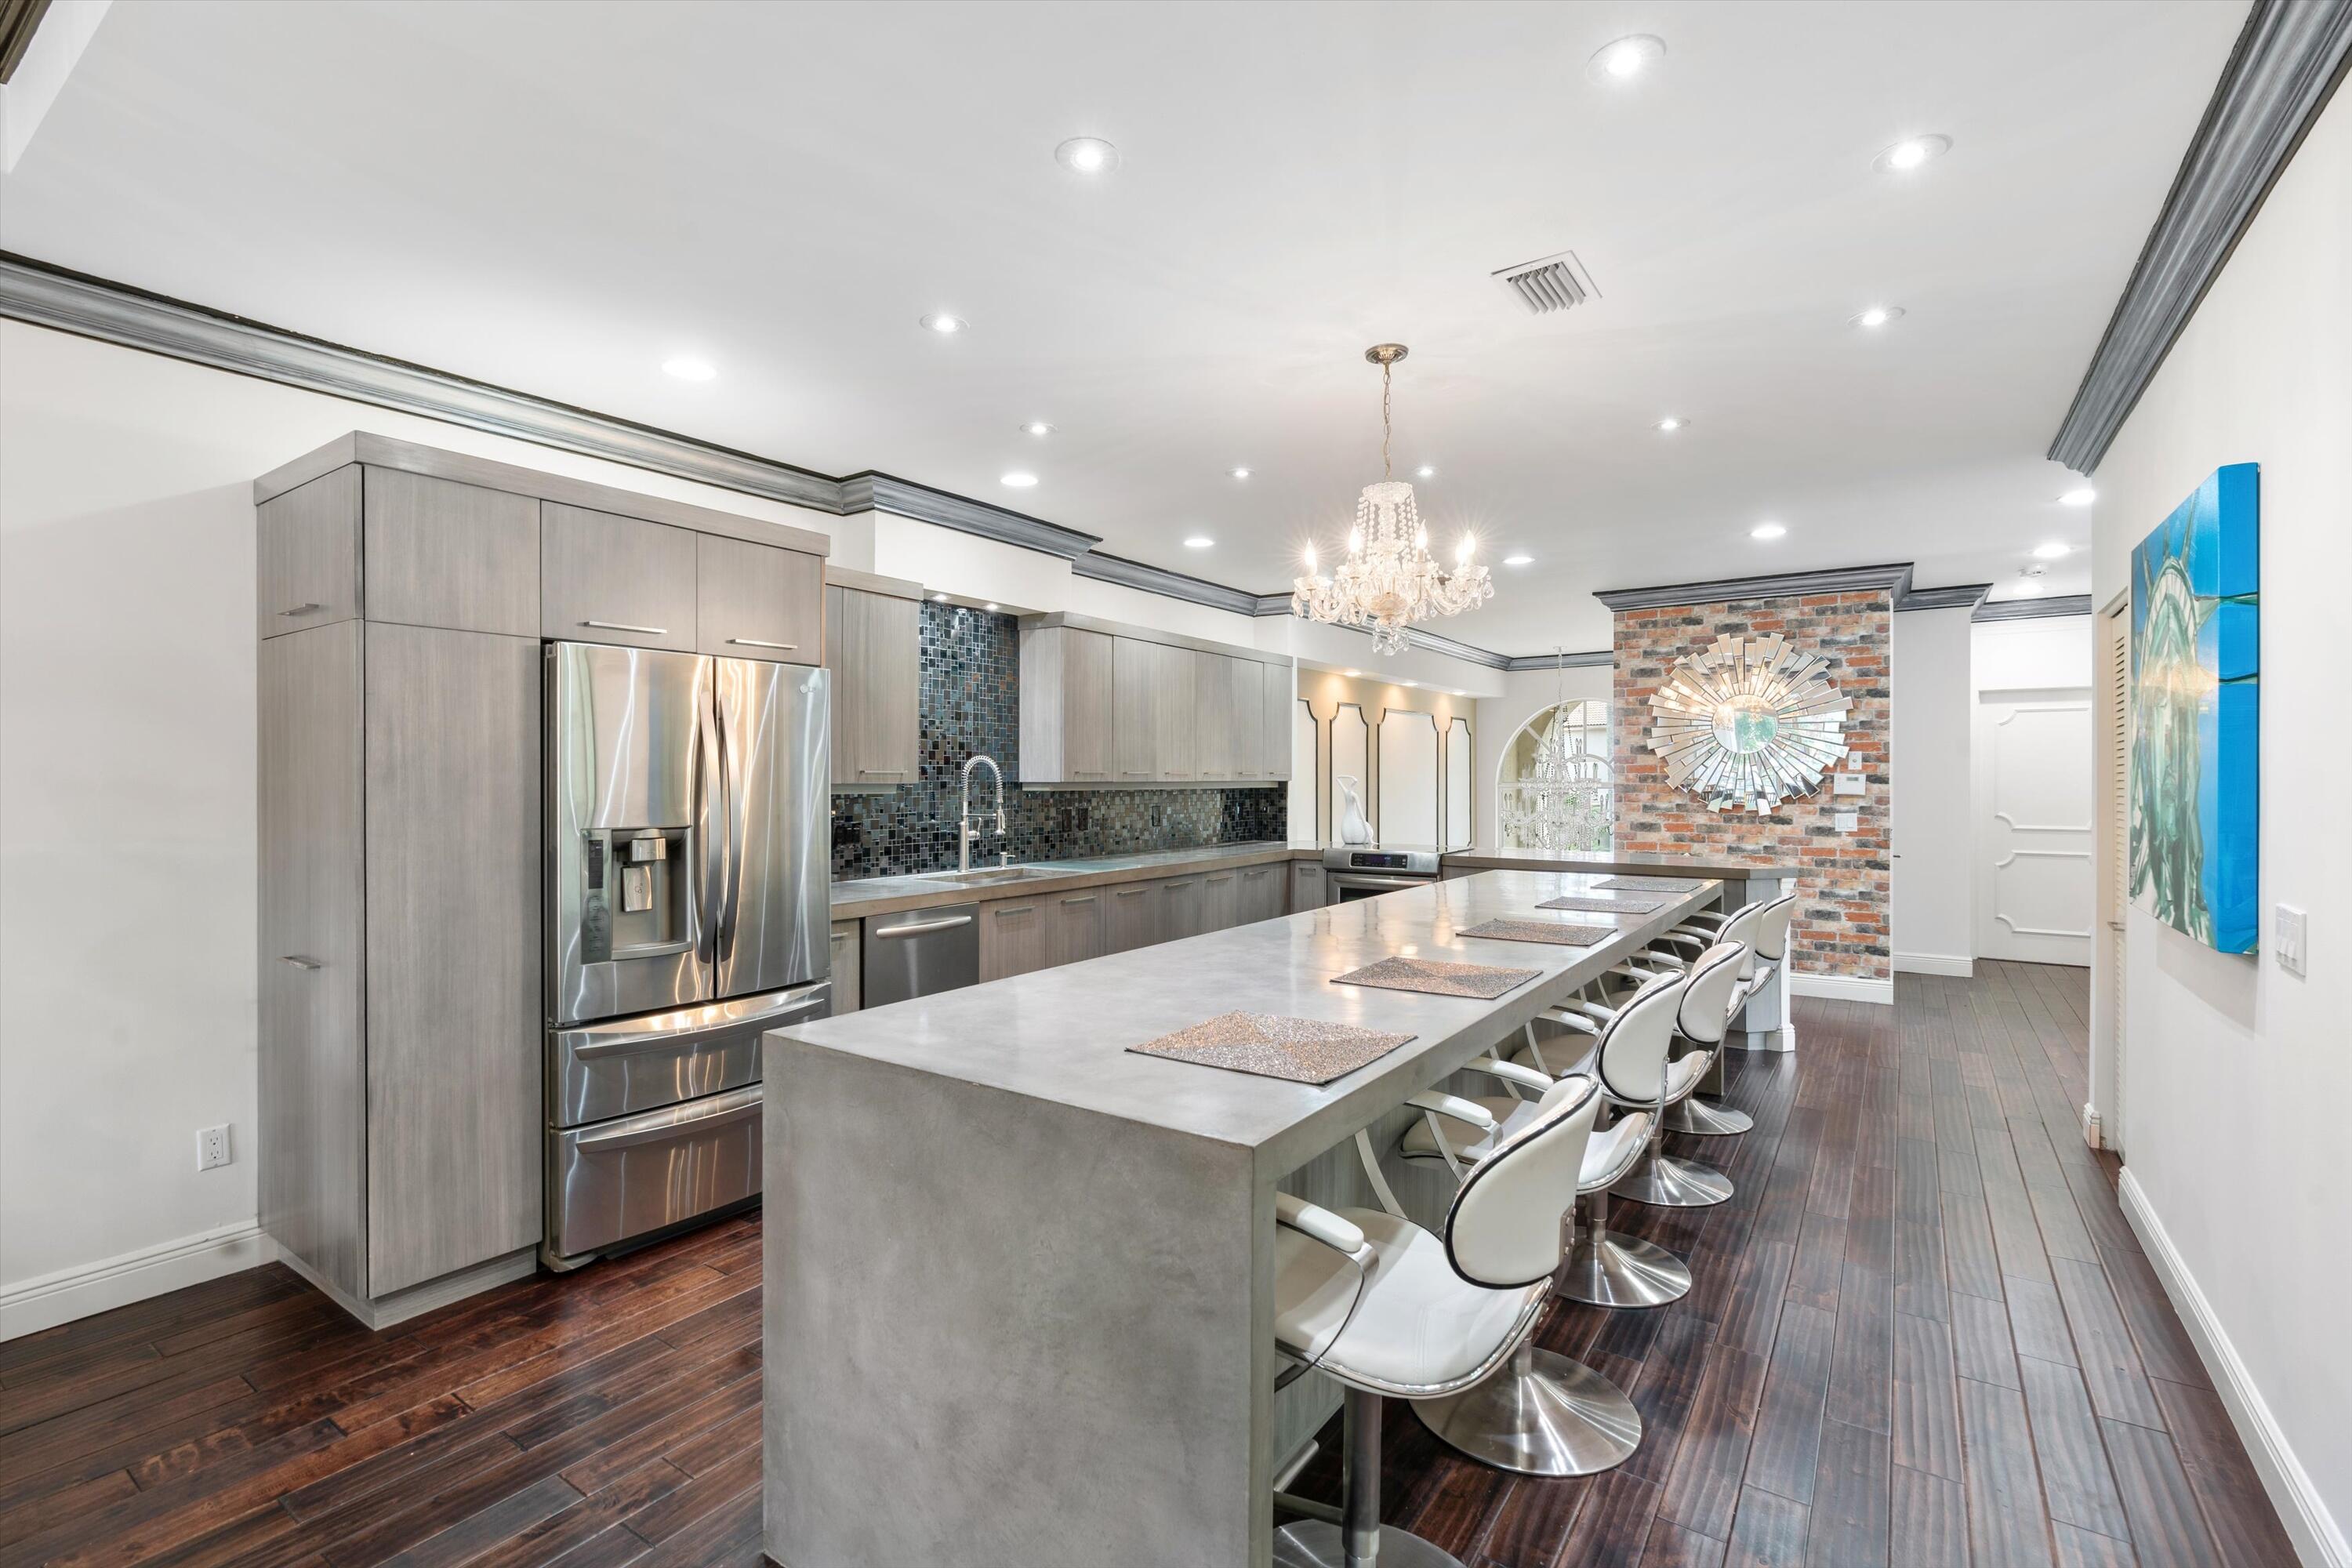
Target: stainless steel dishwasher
{"x": 920, "y": 952}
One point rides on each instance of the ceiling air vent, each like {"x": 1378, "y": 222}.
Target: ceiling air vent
{"x": 1555, "y": 283}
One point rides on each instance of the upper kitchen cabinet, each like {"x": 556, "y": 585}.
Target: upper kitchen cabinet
{"x": 1109, "y": 705}
{"x": 1068, "y": 706}
{"x": 308, "y": 544}
{"x": 873, "y": 645}
{"x": 461, "y": 557}
{"x": 753, "y": 601}
{"x": 607, "y": 578}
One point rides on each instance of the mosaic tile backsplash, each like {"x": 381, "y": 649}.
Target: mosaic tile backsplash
{"x": 971, "y": 702}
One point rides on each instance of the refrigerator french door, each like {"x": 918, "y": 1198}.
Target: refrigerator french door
{"x": 687, "y": 861}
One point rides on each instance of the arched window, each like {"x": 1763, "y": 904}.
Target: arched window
{"x": 1554, "y": 787}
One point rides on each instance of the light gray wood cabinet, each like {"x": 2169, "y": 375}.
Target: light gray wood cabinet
{"x": 307, "y": 549}
{"x": 1307, "y": 886}
{"x": 1221, "y": 899}
{"x": 1074, "y": 927}
{"x": 1175, "y": 744}
{"x": 312, "y": 1145}
{"x": 848, "y": 975}
{"x": 1265, "y": 893}
{"x": 1118, "y": 707}
{"x": 753, "y": 601}
{"x": 440, "y": 553}
{"x": 1245, "y": 718}
{"x": 1013, "y": 937}
{"x": 607, "y": 578}
{"x": 453, "y": 941}
{"x": 1139, "y": 695}
{"x": 1180, "y": 910}
{"x": 1069, "y": 707}
{"x": 874, "y": 647}
{"x": 1131, "y": 917}
{"x": 1212, "y": 704}
{"x": 1276, "y": 718}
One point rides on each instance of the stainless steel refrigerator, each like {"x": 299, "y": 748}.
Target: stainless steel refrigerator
{"x": 687, "y": 864}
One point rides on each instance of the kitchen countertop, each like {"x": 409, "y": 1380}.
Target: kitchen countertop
{"x": 1623, "y": 863}
{"x": 891, "y": 895}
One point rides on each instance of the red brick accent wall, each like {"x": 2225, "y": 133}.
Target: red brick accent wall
{"x": 1842, "y": 908}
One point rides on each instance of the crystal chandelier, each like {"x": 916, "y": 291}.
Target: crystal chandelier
{"x": 1388, "y": 580}
{"x": 1566, "y": 802}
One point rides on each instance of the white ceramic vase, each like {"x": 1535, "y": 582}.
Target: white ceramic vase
{"x": 1353, "y": 828}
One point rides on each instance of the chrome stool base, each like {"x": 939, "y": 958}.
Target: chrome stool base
{"x": 1311, "y": 1543}
{"x": 1707, "y": 1119}
{"x": 1663, "y": 1181}
{"x": 1611, "y": 1271}
{"x": 1541, "y": 1415}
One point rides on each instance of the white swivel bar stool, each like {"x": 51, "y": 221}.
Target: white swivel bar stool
{"x": 1371, "y": 1300}
{"x": 1763, "y": 927}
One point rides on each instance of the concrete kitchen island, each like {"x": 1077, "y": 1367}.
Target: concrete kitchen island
{"x": 1018, "y": 1279}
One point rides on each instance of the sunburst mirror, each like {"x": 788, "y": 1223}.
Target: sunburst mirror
{"x": 1748, "y": 722}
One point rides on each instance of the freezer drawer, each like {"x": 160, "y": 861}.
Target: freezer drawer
{"x": 599, "y": 1071}
{"x": 642, "y": 1173}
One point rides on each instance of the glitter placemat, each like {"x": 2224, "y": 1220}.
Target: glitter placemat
{"x": 1650, "y": 884}
{"x": 1557, "y": 931}
{"x": 1604, "y": 906}
{"x": 1304, "y": 1050}
{"x": 1438, "y": 977}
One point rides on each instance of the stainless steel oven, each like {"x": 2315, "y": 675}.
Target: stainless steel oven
{"x": 1355, "y": 872}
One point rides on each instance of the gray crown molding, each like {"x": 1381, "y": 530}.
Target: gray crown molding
{"x": 1893, "y": 580}
{"x": 2032, "y": 609}
{"x": 1961, "y": 596}
{"x": 111, "y": 312}
{"x": 2288, "y": 58}
{"x": 1128, "y": 573}
{"x": 1597, "y": 659}
{"x": 872, "y": 492}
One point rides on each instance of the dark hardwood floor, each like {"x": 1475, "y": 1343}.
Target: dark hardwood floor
{"x": 1922, "y": 1335}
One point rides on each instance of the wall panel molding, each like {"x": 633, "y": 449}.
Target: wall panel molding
{"x": 2288, "y": 60}
{"x": 1893, "y": 578}
{"x": 1961, "y": 596}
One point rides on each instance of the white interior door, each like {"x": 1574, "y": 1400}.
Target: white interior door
{"x": 2035, "y": 890}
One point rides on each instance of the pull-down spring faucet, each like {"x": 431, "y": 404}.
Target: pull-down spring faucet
{"x": 965, "y": 831}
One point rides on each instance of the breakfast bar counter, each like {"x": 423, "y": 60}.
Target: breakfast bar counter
{"x": 1018, "y": 1303}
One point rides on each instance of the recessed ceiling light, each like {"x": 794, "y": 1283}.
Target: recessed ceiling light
{"x": 1625, "y": 57}
{"x": 1878, "y": 316}
{"x": 1425, "y": 472}
{"x": 990, "y": 606}
{"x": 1352, "y": 672}
{"x": 1910, "y": 152}
{"x": 1199, "y": 541}
{"x": 940, "y": 598}
{"x": 2052, "y": 551}
{"x": 1019, "y": 482}
{"x": 1767, "y": 530}
{"x": 2082, "y": 494}
{"x": 1670, "y": 424}
{"x": 1087, "y": 155}
{"x": 1036, "y": 427}
{"x": 1239, "y": 473}
{"x": 686, "y": 367}
{"x": 940, "y": 322}
{"x": 1518, "y": 560}
{"x": 1412, "y": 683}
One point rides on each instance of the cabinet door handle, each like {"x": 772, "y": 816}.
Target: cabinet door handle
{"x": 1137, "y": 773}
{"x": 762, "y": 642}
{"x": 303, "y": 610}
{"x": 886, "y": 772}
{"x": 1020, "y": 909}
{"x": 625, "y": 626}
{"x": 298, "y": 962}
{"x": 1128, "y": 892}
{"x": 1082, "y": 899}
{"x": 919, "y": 927}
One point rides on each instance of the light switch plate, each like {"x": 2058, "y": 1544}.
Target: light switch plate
{"x": 2289, "y": 937}
{"x": 1849, "y": 821}
{"x": 1851, "y": 783}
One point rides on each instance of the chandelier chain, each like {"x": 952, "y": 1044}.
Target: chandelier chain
{"x": 1386, "y": 473}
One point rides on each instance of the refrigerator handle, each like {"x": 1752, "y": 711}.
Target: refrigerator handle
{"x": 709, "y": 822}
{"x": 731, "y": 756}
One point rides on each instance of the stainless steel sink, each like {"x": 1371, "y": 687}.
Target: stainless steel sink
{"x": 992, "y": 874}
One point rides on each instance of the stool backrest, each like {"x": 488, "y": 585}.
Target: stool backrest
{"x": 1503, "y": 1229}
{"x": 1633, "y": 1044}
{"x": 1741, "y": 928}
{"x": 1705, "y": 1016}
{"x": 1772, "y": 939}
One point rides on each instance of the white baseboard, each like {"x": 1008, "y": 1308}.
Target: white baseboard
{"x": 1842, "y": 989}
{"x": 90, "y": 1287}
{"x": 2318, "y": 1540}
{"x": 1958, "y": 966}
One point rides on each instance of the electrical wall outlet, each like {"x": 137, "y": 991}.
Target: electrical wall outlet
{"x": 2289, "y": 937}
{"x": 1849, "y": 822}
{"x": 212, "y": 1147}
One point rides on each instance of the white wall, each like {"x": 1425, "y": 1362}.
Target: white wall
{"x": 1526, "y": 693}
{"x": 2235, "y": 1075}
{"x": 1933, "y": 920}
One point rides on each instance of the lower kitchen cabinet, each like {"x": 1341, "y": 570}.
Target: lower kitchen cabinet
{"x": 1264, "y": 896}
{"x": 1180, "y": 913}
{"x": 1074, "y": 927}
{"x": 1307, "y": 889}
{"x": 848, "y": 955}
{"x": 1012, "y": 937}
{"x": 1221, "y": 899}
{"x": 1131, "y": 916}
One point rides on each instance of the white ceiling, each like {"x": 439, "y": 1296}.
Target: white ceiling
{"x": 558, "y": 198}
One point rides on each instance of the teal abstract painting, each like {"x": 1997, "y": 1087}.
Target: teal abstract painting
{"x": 2196, "y": 710}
